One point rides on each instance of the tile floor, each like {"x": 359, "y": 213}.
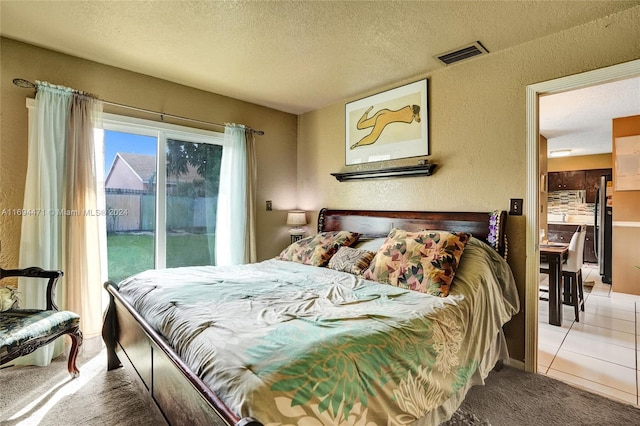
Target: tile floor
{"x": 601, "y": 352}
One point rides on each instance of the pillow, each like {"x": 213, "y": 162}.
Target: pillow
{"x": 318, "y": 249}
{"x": 370, "y": 245}
{"x": 351, "y": 260}
{"x": 424, "y": 261}
{"x": 8, "y": 299}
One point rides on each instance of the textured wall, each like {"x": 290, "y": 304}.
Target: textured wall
{"x": 583, "y": 162}
{"x": 478, "y": 135}
{"x": 276, "y": 150}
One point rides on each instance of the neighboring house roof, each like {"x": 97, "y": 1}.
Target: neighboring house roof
{"x": 144, "y": 166}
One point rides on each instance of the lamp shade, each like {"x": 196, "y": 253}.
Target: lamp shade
{"x": 296, "y": 218}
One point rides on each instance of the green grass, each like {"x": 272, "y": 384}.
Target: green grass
{"x": 132, "y": 253}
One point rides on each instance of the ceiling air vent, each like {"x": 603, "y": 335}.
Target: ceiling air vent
{"x": 466, "y": 52}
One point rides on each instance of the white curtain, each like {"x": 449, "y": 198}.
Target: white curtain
{"x": 59, "y": 175}
{"x": 235, "y": 237}
{"x": 81, "y": 232}
{"x": 252, "y": 183}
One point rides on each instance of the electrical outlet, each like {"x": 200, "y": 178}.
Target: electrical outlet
{"x": 269, "y": 206}
{"x": 516, "y": 207}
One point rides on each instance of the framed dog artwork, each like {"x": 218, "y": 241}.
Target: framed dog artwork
{"x": 387, "y": 126}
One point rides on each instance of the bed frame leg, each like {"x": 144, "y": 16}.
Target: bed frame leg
{"x": 109, "y": 333}
{"x": 499, "y": 365}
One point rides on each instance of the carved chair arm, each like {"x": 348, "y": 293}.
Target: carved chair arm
{"x": 35, "y": 272}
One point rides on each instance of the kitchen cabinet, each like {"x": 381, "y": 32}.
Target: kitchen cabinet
{"x": 565, "y": 181}
{"x": 592, "y": 180}
{"x": 587, "y": 180}
{"x": 563, "y": 233}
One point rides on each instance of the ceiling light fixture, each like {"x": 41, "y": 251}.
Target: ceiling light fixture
{"x": 560, "y": 153}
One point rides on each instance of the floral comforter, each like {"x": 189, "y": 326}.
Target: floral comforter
{"x": 288, "y": 343}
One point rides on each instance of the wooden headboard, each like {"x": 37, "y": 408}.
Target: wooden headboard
{"x": 378, "y": 223}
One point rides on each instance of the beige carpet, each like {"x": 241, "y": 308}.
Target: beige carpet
{"x": 47, "y": 396}
{"x": 512, "y": 397}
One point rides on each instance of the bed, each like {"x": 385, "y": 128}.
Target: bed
{"x": 285, "y": 342}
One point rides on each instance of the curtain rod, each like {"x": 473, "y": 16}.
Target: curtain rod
{"x": 20, "y": 82}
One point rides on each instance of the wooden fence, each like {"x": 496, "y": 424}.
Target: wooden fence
{"x": 135, "y": 211}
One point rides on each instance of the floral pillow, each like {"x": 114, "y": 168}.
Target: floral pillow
{"x": 318, "y": 249}
{"x": 351, "y": 260}
{"x": 424, "y": 261}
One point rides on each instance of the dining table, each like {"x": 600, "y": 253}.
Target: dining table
{"x": 554, "y": 254}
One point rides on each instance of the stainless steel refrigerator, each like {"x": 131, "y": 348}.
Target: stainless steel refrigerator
{"x": 603, "y": 227}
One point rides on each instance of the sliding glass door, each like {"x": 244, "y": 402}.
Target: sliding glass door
{"x": 161, "y": 195}
{"x": 130, "y": 201}
{"x": 193, "y": 180}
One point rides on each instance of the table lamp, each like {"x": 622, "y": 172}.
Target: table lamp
{"x": 296, "y": 219}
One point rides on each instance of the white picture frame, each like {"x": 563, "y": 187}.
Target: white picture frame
{"x": 389, "y": 125}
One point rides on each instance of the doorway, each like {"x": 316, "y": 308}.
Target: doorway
{"x": 578, "y": 81}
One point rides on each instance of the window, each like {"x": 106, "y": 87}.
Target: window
{"x": 161, "y": 195}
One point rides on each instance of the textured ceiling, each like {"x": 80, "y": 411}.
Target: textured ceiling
{"x": 580, "y": 120}
{"x": 294, "y": 56}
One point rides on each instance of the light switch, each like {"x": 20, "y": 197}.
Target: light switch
{"x": 516, "y": 207}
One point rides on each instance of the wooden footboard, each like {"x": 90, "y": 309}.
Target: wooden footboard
{"x": 180, "y": 395}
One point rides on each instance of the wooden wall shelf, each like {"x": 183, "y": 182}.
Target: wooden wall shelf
{"x": 404, "y": 171}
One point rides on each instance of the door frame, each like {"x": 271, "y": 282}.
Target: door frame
{"x": 564, "y": 84}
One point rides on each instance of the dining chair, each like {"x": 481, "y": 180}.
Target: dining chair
{"x": 572, "y": 270}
